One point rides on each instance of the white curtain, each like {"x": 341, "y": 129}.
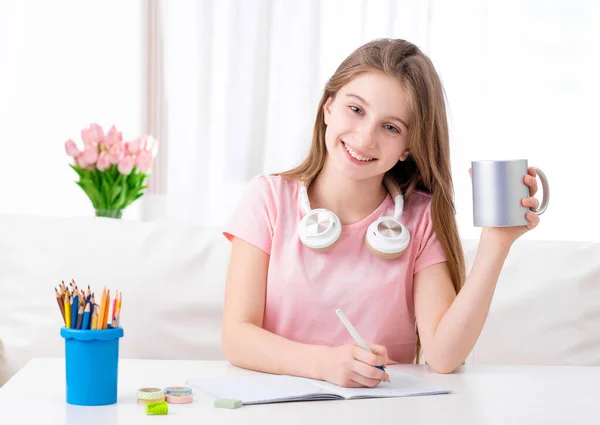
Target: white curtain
{"x": 230, "y": 89}
{"x": 522, "y": 82}
{"x": 243, "y": 78}
{"x": 242, "y": 82}
{"x": 63, "y": 65}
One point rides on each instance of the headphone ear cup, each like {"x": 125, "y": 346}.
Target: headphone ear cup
{"x": 319, "y": 230}
{"x": 387, "y": 238}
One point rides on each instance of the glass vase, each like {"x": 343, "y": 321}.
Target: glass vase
{"x": 111, "y": 213}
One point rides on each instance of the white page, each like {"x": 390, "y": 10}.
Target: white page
{"x": 260, "y": 388}
{"x": 401, "y": 384}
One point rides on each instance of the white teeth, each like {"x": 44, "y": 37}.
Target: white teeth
{"x": 356, "y": 155}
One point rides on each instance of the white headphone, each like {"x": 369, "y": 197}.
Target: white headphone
{"x": 386, "y": 237}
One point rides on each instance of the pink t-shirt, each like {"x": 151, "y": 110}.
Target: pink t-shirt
{"x": 304, "y": 288}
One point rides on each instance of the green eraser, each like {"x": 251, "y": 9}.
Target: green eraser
{"x": 158, "y": 408}
{"x": 228, "y": 403}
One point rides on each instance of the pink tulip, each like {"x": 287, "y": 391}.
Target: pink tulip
{"x": 143, "y": 161}
{"x": 133, "y": 147}
{"x": 126, "y": 165}
{"x": 92, "y": 135}
{"x": 116, "y": 153}
{"x": 103, "y": 162}
{"x": 90, "y": 155}
{"x": 80, "y": 160}
{"x": 86, "y": 136}
{"x": 97, "y": 132}
{"x": 113, "y": 137}
{"x": 71, "y": 148}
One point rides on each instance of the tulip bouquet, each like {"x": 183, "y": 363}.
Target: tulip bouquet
{"x": 112, "y": 173}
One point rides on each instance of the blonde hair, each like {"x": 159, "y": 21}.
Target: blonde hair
{"x": 428, "y": 166}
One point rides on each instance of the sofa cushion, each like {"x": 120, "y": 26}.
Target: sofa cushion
{"x": 546, "y": 309}
{"x": 171, "y": 274}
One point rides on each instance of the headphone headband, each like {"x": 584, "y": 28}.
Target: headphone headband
{"x": 389, "y": 183}
{"x": 394, "y": 191}
{"x": 320, "y": 229}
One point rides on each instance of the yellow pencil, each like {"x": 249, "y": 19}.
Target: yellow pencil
{"x": 67, "y": 310}
{"x": 95, "y": 318}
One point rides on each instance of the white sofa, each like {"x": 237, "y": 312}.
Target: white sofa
{"x": 546, "y": 308}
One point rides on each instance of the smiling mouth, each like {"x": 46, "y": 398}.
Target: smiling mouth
{"x": 356, "y": 155}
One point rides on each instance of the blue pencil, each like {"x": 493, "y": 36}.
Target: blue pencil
{"x": 74, "y": 310}
{"x": 86, "y": 318}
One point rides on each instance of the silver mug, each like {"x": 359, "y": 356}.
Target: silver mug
{"x": 498, "y": 188}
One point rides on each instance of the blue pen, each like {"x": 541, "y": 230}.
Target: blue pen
{"x": 361, "y": 342}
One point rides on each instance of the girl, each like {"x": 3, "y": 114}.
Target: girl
{"x": 365, "y": 224}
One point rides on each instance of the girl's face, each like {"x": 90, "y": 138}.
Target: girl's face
{"x": 366, "y": 132}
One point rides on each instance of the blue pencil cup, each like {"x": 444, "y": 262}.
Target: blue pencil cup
{"x": 92, "y": 365}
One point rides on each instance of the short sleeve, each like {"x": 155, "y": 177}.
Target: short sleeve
{"x": 430, "y": 249}
{"x": 254, "y": 218}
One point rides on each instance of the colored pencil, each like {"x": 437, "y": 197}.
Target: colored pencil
{"x": 79, "y": 309}
{"x": 118, "y": 316}
{"x": 79, "y": 317}
{"x": 74, "y": 310}
{"x": 106, "y": 308}
{"x": 67, "y": 310}
{"x": 113, "y": 312}
{"x": 86, "y": 318}
{"x": 61, "y": 304}
{"x": 95, "y": 318}
{"x": 102, "y": 307}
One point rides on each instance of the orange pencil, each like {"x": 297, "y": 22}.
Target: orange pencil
{"x": 113, "y": 311}
{"x": 117, "y": 309}
{"x": 106, "y": 308}
{"x": 102, "y": 307}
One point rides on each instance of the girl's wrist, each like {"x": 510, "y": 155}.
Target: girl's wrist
{"x": 318, "y": 361}
{"x": 493, "y": 239}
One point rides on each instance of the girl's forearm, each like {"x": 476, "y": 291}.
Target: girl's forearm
{"x": 461, "y": 325}
{"x": 251, "y": 347}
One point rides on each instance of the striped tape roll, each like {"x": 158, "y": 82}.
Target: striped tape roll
{"x": 178, "y": 390}
{"x": 150, "y": 394}
{"x": 180, "y": 398}
{"x": 157, "y": 400}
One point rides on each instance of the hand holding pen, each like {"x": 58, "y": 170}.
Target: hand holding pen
{"x": 360, "y": 365}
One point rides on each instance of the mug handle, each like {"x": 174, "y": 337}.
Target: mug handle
{"x": 546, "y": 188}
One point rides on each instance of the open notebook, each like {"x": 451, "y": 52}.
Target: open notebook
{"x": 265, "y": 388}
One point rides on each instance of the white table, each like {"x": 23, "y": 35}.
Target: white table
{"x": 481, "y": 396}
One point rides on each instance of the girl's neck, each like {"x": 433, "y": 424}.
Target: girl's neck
{"x": 350, "y": 200}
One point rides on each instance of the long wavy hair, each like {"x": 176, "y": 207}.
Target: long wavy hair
{"x": 427, "y": 168}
